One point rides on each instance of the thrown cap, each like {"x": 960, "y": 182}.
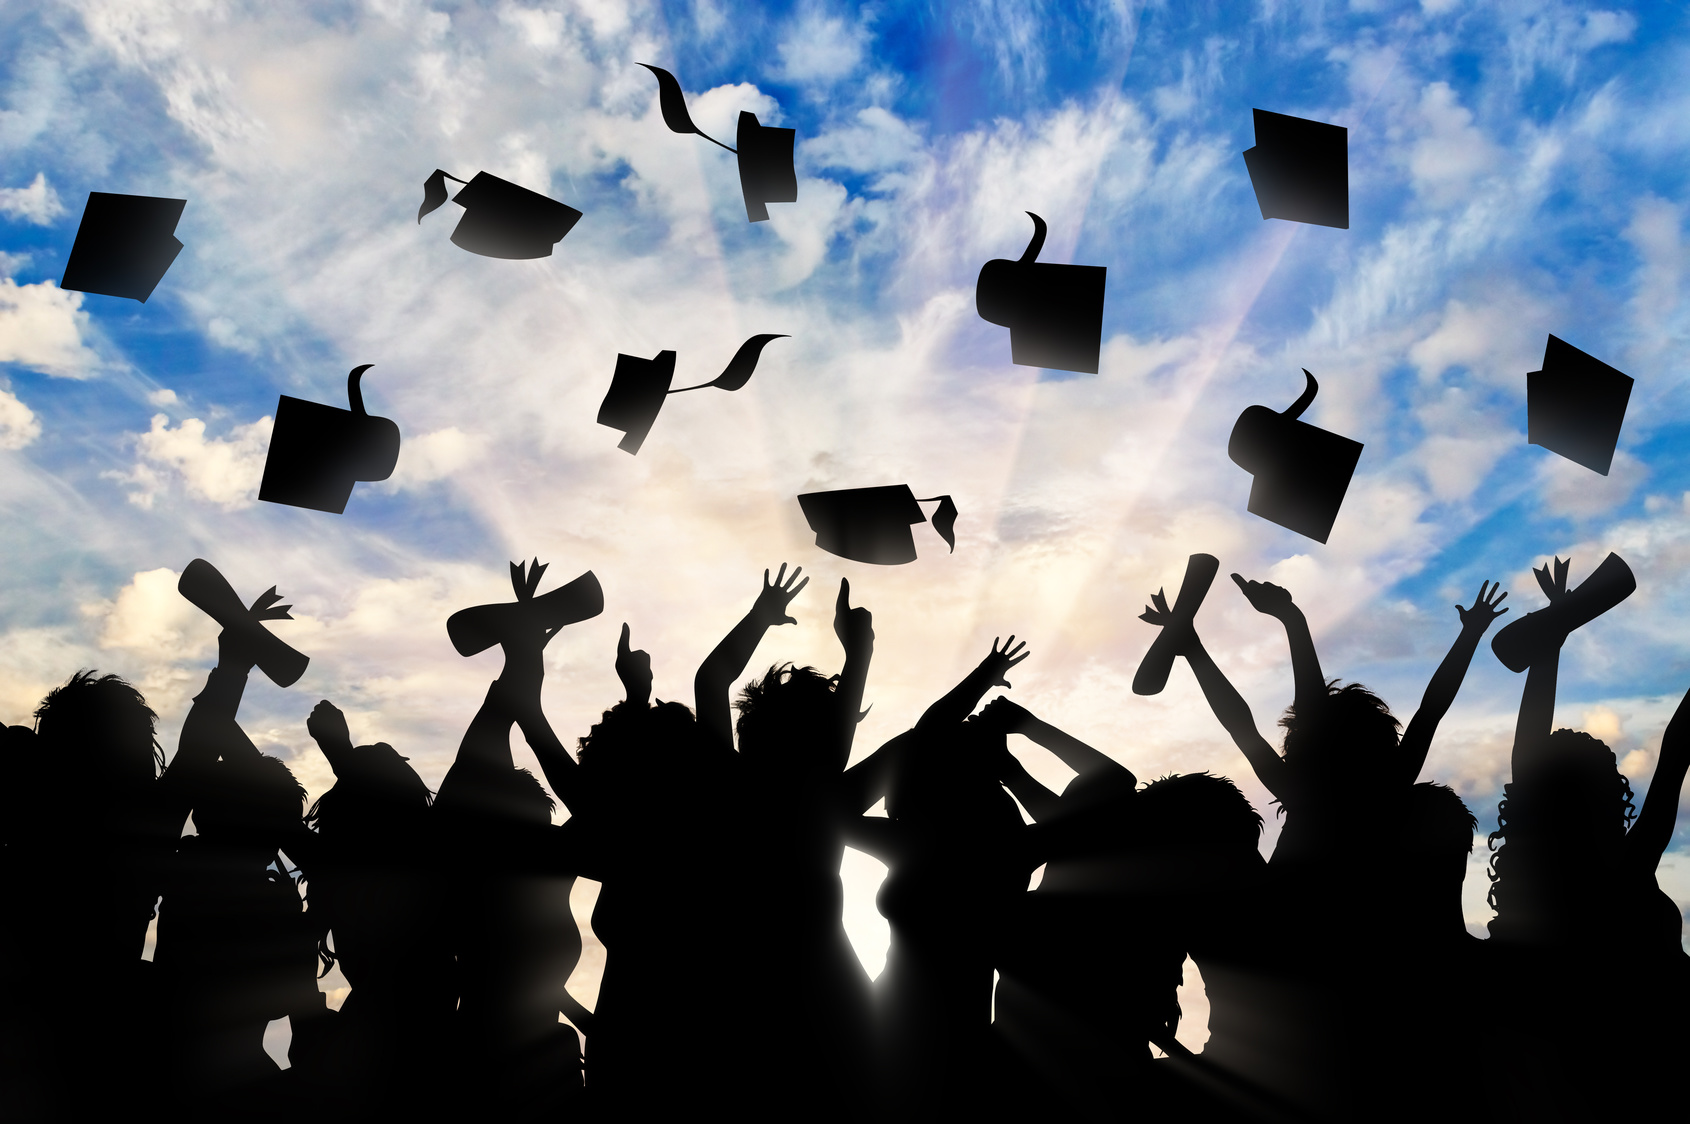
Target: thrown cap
{"x": 766, "y": 173}
{"x": 318, "y": 452}
{"x": 873, "y": 524}
{"x": 1300, "y": 169}
{"x": 636, "y": 395}
{"x": 1301, "y": 471}
{"x": 501, "y": 219}
{"x": 1576, "y": 405}
{"x": 1054, "y": 313}
{"x": 124, "y": 245}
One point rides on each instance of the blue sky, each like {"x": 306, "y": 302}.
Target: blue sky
{"x": 1516, "y": 169}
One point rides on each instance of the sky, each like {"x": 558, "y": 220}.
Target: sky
{"x": 1516, "y": 169}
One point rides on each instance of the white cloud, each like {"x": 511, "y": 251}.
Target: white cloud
{"x": 434, "y": 456}
{"x": 224, "y": 332}
{"x": 222, "y": 470}
{"x": 38, "y": 203}
{"x": 1451, "y": 151}
{"x": 1574, "y": 490}
{"x": 18, "y": 423}
{"x": 820, "y": 48}
{"x": 41, "y": 328}
{"x": 149, "y": 617}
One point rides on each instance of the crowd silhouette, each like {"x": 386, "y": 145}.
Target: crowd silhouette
{"x": 1339, "y": 971}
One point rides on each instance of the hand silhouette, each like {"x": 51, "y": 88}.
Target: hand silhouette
{"x": 1485, "y": 608}
{"x": 1004, "y": 715}
{"x": 1265, "y": 597}
{"x": 633, "y": 667}
{"x": 1553, "y": 584}
{"x": 854, "y": 627}
{"x": 997, "y": 664}
{"x": 769, "y": 609}
{"x": 327, "y": 726}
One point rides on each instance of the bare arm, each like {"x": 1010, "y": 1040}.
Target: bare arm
{"x": 727, "y": 662}
{"x": 855, "y": 629}
{"x": 1275, "y": 601}
{"x": 1441, "y": 689}
{"x": 961, "y": 700}
{"x": 209, "y": 729}
{"x": 1041, "y": 803}
{"x": 1649, "y": 836}
{"x": 1537, "y": 703}
{"x": 1073, "y": 752}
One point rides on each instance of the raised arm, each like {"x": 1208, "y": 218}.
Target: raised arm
{"x": 1073, "y": 752}
{"x": 1275, "y": 601}
{"x": 961, "y": 700}
{"x": 1228, "y": 705}
{"x": 1537, "y": 702}
{"x": 1441, "y": 689}
{"x": 1649, "y": 836}
{"x": 727, "y": 662}
{"x": 210, "y": 729}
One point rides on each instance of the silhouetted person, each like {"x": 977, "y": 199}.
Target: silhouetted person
{"x": 509, "y": 874}
{"x": 1588, "y": 968}
{"x": 371, "y": 882}
{"x": 952, "y": 840}
{"x": 83, "y": 845}
{"x": 236, "y": 949}
{"x": 1342, "y": 754}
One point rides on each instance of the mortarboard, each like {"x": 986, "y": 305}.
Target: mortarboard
{"x": 207, "y": 589}
{"x": 1054, "y": 313}
{"x": 873, "y": 524}
{"x": 1576, "y": 405}
{"x": 124, "y": 245}
{"x": 317, "y": 452}
{"x": 1300, "y": 169}
{"x": 638, "y": 388}
{"x": 1152, "y": 674}
{"x": 501, "y": 219}
{"x": 1301, "y": 470}
{"x": 766, "y": 173}
{"x": 478, "y": 628}
{"x": 1542, "y": 632}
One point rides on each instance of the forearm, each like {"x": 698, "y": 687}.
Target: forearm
{"x": 1309, "y": 680}
{"x": 1073, "y": 752}
{"x": 1235, "y": 717}
{"x": 559, "y": 766}
{"x": 961, "y": 700}
{"x": 853, "y": 683}
{"x": 1537, "y": 710}
{"x": 716, "y": 677}
{"x": 1041, "y": 803}
{"x": 1649, "y": 836}
{"x": 489, "y": 733}
{"x": 1440, "y": 694}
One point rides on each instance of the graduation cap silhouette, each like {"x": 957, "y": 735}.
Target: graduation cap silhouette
{"x": 478, "y": 628}
{"x": 209, "y": 591}
{"x": 124, "y": 245}
{"x": 873, "y": 524}
{"x": 501, "y": 219}
{"x": 638, "y": 388}
{"x": 1300, "y": 169}
{"x": 1054, "y": 313}
{"x": 1576, "y": 405}
{"x": 317, "y": 452}
{"x": 766, "y": 174}
{"x": 1523, "y": 642}
{"x": 1152, "y": 674}
{"x": 1301, "y": 471}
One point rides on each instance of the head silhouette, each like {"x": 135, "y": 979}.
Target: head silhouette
{"x": 948, "y": 779}
{"x": 106, "y": 724}
{"x": 1352, "y": 732}
{"x": 249, "y": 799}
{"x": 784, "y": 721}
{"x": 375, "y": 789}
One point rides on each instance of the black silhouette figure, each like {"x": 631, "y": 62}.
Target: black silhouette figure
{"x": 1300, "y": 169}
{"x": 1539, "y": 634}
{"x": 474, "y": 630}
{"x": 952, "y": 840}
{"x": 236, "y": 949}
{"x": 509, "y": 873}
{"x": 1576, "y": 405}
{"x": 766, "y": 173}
{"x": 639, "y": 386}
{"x": 1152, "y": 674}
{"x": 372, "y": 886}
{"x": 1301, "y": 471}
{"x": 1054, "y": 313}
{"x": 873, "y": 524}
{"x": 1576, "y": 894}
{"x": 1341, "y": 749}
{"x": 124, "y": 245}
{"x": 318, "y": 452}
{"x": 207, "y": 590}
{"x": 501, "y": 219}
{"x": 84, "y": 840}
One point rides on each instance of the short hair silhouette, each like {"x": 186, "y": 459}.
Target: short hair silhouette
{"x": 105, "y": 716}
{"x": 124, "y": 245}
{"x": 766, "y": 173}
{"x": 501, "y": 219}
{"x": 1054, "y": 313}
{"x": 1301, "y": 471}
{"x": 1538, "y": 634}
{"x": 250, "y": 795}
{"x": 1575, "y": 405}
{"x": 211, "y": 593}
{"x": 1352, "y": 721}
{"x": 873, "y": 524}
{"x": 1300, "y": 169}
{"x": 777, "y": 715}
{"x": 639, "y": 387}
{"x": 318, "y": 452}
{"x": 479, "y": 627}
